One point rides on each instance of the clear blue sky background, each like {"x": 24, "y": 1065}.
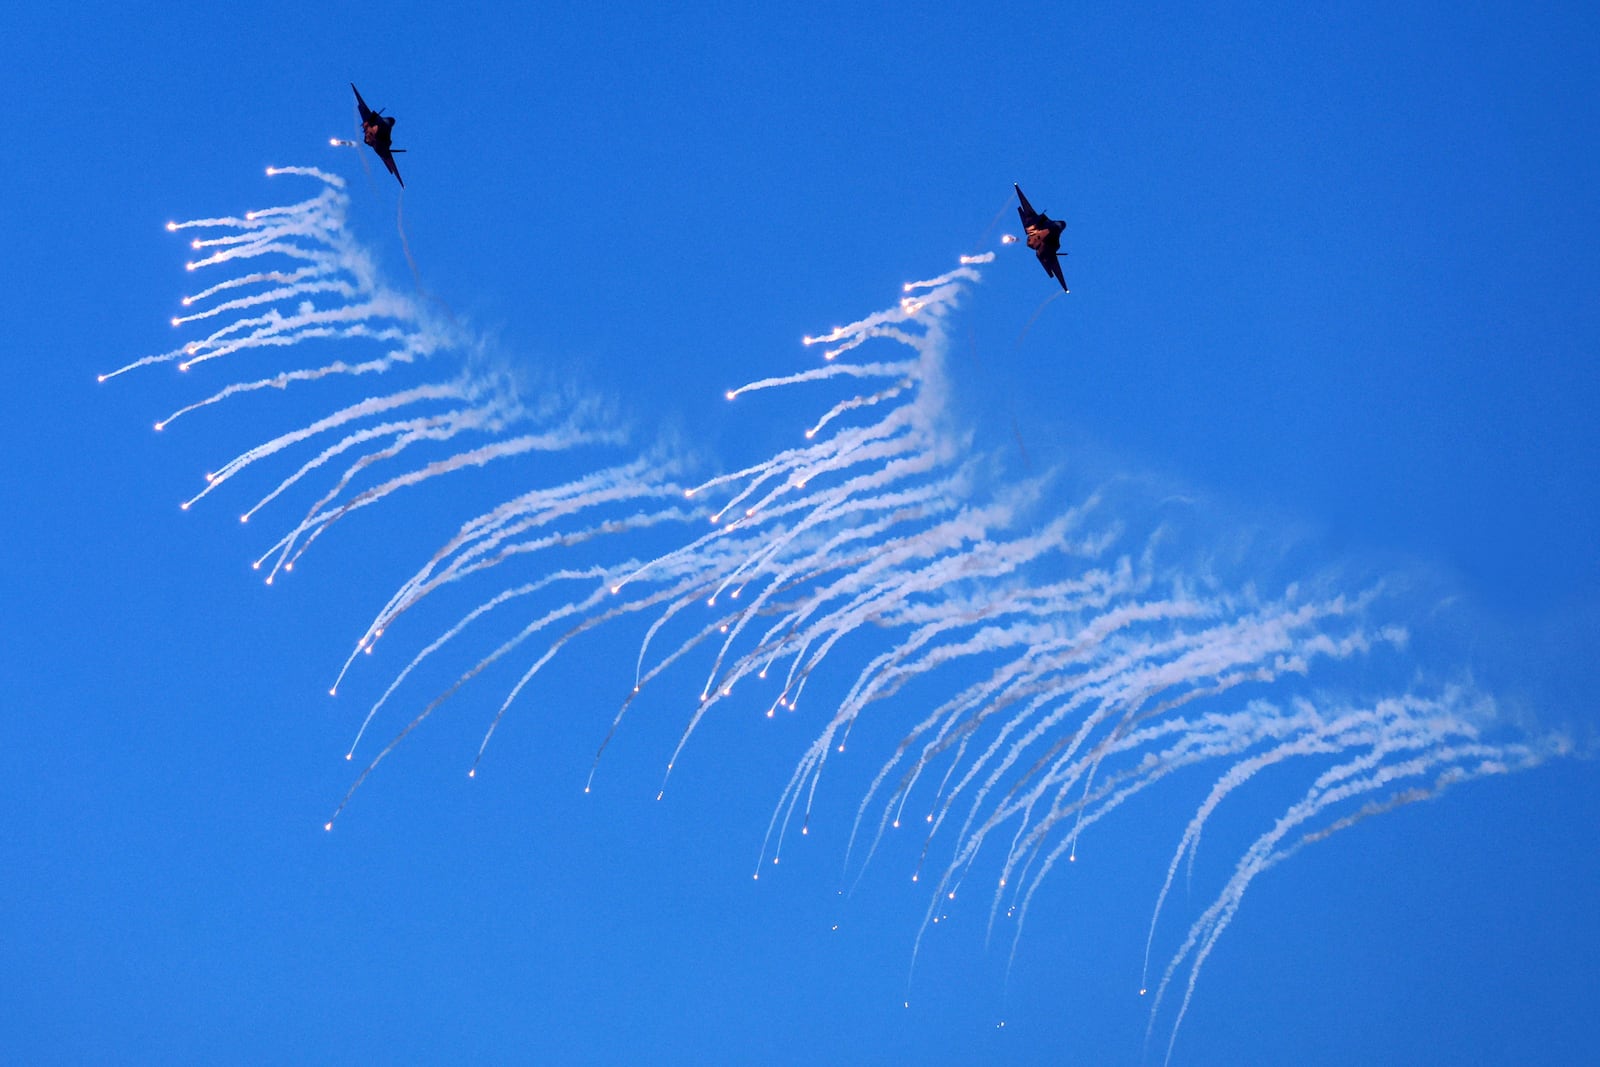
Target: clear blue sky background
{"x": 1334, "y": 271}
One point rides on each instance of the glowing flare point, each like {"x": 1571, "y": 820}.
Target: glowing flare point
{"x": 328, "y": 825}
{"x": 171, "y": 226}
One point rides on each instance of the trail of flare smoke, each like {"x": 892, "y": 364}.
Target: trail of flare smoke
{"x": 1094, "y": 705}
{"x": 1076, "y": 661}
{"x": 1101, "y": 686}
{"x": 329, "y": 293}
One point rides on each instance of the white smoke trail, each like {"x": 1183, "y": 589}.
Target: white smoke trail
{"x": 330, "y": 293}
{"x": 1101, "y": 685}
{"x": 1075, "y": 658}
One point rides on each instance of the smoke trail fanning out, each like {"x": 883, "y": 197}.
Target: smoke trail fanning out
{"x": 1075, "y": 657}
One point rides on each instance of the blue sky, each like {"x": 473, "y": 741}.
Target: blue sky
{"x": 1334, "y": 279}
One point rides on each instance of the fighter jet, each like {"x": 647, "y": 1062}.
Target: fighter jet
{"x": 376, "y": 129}
{"x": 1044, "y": 237}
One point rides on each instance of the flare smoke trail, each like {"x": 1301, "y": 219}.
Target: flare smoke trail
{"x": 1078, "y": 657}
{"x": 304, "y": 280}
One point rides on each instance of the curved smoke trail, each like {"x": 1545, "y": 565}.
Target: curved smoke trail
{"x": 1080, "y": 659}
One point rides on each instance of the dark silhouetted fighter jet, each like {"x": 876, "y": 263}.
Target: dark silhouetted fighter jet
{"x": 376, "y": 129}
{"x": 1044, "y": 237}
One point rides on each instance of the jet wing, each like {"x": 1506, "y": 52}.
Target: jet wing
{"x": 1025, "y": 212}
{"x": 387, "y": 155}
{"x": 1052, "y": 266}
{"x": 366, "y": 112}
